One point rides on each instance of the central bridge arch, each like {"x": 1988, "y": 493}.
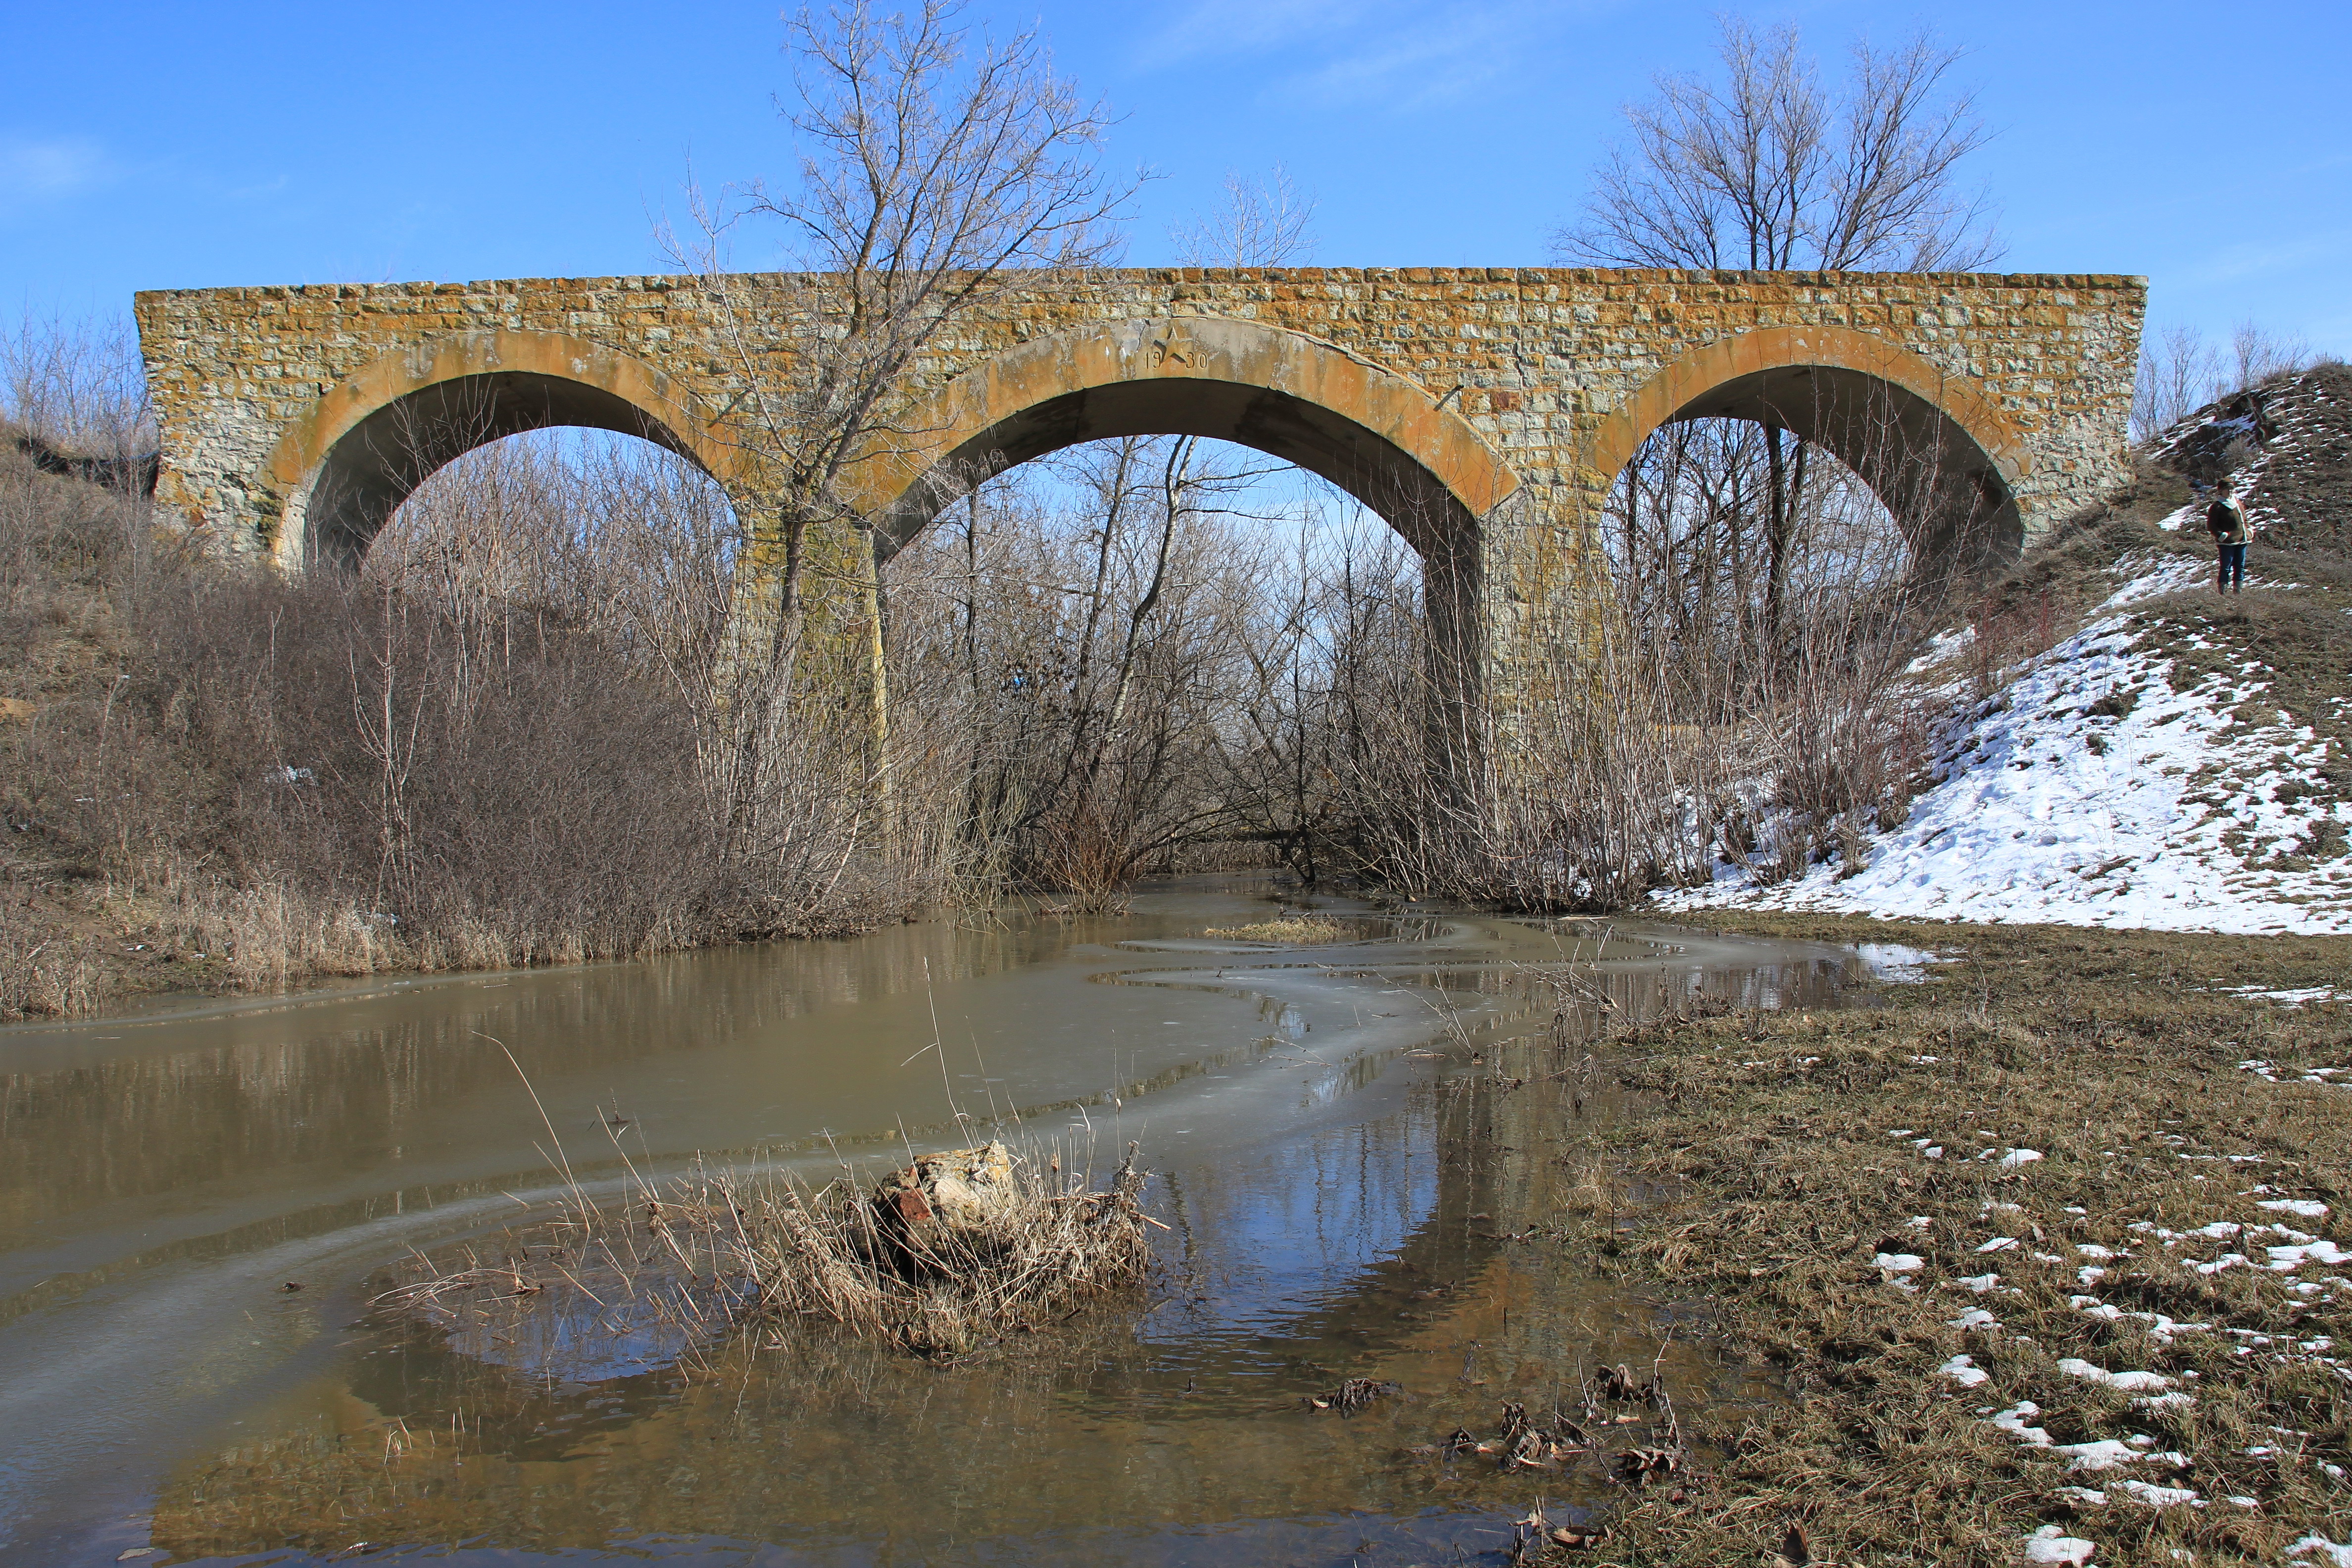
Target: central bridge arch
{"x": 1378, "y": 435}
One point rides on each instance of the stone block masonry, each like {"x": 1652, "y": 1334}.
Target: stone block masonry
{"x": 1485, "y": 411}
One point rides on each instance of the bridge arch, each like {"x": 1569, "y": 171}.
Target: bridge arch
{"x": 1940, "y": 454}
{"x": 344, "y": 467}
{"x": 1376, "y": 435}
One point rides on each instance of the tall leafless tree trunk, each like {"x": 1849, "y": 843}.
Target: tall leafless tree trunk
{"x": 936, "y": 163}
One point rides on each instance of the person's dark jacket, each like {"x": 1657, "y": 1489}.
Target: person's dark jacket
{"x": 2227, "y": 519}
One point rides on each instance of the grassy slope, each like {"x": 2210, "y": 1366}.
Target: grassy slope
{"x": 2110, "y": 1054}
{"x": 68, "y": 548}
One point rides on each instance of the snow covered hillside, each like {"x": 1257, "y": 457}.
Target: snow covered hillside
{"x": 2178, "y": 763}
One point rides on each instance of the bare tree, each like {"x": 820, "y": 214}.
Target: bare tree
{"x": 937, "y": 162}
{"x": 610, "y": 533}
{"x": 2260, "y": 353}
{"x": 1768, "y": 168}
{"x": 1102, "y": 662}
{"x": 1261, "y": 222}
{"x": 2180, "y": 372}
{"x": 1771, "y": 170}
{"x": 75, "y": 388}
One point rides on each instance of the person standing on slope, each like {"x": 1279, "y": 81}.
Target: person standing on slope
{"x": 2226, "y": 519}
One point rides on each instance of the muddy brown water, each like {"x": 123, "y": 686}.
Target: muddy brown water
{"x": 1350, "y": 1189}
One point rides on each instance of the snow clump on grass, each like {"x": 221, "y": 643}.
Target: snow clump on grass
{"x": 1964, "y": 1371}
{"x": 2124, "y": 1381}
{"x": 2052, "y": 1544}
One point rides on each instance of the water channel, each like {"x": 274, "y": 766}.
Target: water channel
{"x": 198, "y": 1200}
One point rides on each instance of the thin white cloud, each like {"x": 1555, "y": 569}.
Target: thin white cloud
{"x": 1391, "y": 51}
{"x": 44, "y": 168}
{"x": 269, "y": 187}
{"x": 2241, "y": 262}
{"x": 1227, "y": 27}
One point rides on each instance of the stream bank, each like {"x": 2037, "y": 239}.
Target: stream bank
{"x": 2046, "y": 1249}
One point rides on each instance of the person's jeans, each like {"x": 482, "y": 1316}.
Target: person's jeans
{"x": 2233, "y": 569}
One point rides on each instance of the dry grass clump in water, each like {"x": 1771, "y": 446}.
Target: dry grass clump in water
{"x": 1289, "y": 931}
{"x": 952, "y": 1248}
{"x": 2049, "y": 1242}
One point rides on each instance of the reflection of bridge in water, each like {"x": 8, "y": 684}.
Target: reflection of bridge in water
{"x": 1483, "y": 412}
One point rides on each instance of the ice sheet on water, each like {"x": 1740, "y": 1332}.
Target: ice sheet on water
{"x": 1894, "y": 961}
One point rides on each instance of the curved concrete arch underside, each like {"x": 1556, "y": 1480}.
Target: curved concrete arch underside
{"x": 342, "y": 468}
{"x": 1941, "y": 455}
{"x": 1485, "y": 412}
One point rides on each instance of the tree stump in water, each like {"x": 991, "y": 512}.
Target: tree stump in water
{"x": 950, "y": 1206}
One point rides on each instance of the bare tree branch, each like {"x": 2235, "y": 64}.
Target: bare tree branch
{"x": 1769, "y": 169}
{"x": 1262, "y": 223}
{"x": 937, "y": 164}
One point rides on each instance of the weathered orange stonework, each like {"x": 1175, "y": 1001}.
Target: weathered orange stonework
{"x": 1484, "y": 411}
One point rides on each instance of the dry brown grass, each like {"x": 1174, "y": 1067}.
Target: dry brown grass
{"x": 687, "y": 1260}
{"x": 215, "y": 780}
{"x": 2115, "y": 1055}
{"x": 45, "y": 973}
{"x": 1288, "y": 931}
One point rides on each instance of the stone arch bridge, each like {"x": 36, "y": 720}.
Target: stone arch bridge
{"x": 1483, "y": 412}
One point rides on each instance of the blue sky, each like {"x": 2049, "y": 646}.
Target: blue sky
{"x": 2205, "y": 146}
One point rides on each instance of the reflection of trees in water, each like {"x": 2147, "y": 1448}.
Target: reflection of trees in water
{"x": 1105, "y": 1437}
{"x": 272, "y": 1097}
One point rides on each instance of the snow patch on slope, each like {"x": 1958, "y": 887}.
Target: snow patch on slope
{"x": 2165, "y": 815}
